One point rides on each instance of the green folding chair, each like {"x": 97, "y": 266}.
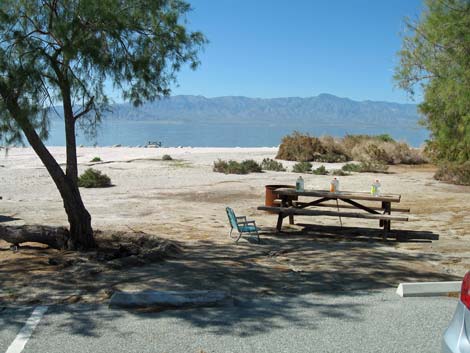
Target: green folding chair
{"x": 240, "y": 225}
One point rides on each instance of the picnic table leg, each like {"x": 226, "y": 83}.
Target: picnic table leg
{"x": 279, "y": 222}
{"x": 386, "y": 223}
{"x": 291, "y": 217}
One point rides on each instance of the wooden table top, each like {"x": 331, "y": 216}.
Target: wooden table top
{"x": 347, "y": 195}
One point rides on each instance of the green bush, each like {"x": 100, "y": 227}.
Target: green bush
{"x": 302, "y": 167}
{"x": 321, "y": 170}
{"x": 93, "y": 178}
{"x": 351, "y": 167}
{"x": 166, "y": 157}
{"x": 234, "y": 167}
{"x": 339, "y": 172}
{"x": 96, "y": 159}
{"x": 251, "y": 166}
{"x": 453, "y": 172}
{"x": 271, "y": 164}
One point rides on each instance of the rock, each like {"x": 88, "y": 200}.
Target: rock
{"x": 118, "y": 145}
{"x": 169, "y": 299}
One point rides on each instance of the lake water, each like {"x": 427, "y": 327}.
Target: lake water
{"x": 172, "y": 134}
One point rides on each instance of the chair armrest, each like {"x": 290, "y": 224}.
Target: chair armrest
{"x": 247, "y": 222}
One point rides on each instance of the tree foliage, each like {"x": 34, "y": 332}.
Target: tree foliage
{"x": 66, "y": 52}
{"x": 435, "y": 58}
{"x": 51, "y": 46}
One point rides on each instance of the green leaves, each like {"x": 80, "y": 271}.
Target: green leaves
{"x": 51, "y": 47}
{"x": 435, "y": 57}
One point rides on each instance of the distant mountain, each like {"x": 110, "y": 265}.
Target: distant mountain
{"x": 325, "y": 108}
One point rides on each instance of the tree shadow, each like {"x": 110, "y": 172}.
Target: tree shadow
{"x": 8, "y": 219}
{"x": 365, "y": 234}
{"x": 272, "y": 283}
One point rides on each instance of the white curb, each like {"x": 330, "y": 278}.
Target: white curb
{"x": 169, "y": 299}
{"x": 428, "y": 289}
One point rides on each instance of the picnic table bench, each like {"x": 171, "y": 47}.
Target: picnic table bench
{"x": 289, "y": 206}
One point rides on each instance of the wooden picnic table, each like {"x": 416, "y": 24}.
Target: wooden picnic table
{"x": 290, "y": 207}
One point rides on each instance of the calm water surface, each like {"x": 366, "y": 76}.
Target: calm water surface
{"x": 171, "y": 134}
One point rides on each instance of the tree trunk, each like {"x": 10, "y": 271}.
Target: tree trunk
{"x": 71, "y": 169}
{"x": 81, "y": 232}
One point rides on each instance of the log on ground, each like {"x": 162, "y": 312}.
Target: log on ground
{"x": 55, "y": 237}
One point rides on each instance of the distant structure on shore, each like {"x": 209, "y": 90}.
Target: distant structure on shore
{"x": 154, "y": 144}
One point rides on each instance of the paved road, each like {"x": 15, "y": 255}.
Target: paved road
{"x": 377, "y": 321}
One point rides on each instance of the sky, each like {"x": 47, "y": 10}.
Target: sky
{"x": 301, "y": 48}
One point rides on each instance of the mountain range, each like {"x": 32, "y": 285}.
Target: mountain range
{"x": 324, "y": 108}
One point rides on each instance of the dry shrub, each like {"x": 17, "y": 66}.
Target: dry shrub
{"x": 387, "y": 152}
{"x": 455, "y": 173}
{"x": 404, "y": 154}
{"x": 300, "y": 147}
{"x": 368, "y": 151}
{"x": 372, "y": 167}
{"x": 371, "y": 149}
{"x": 335, "y": 152}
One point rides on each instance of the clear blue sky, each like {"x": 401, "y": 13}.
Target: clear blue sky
{"x": 274, "y": 48}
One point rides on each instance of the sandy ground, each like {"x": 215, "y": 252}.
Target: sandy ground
{"x": 185, "y": 200}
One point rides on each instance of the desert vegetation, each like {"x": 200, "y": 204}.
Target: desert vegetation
{"x": 93, "y": 178}
{"x": 365, "y": 167}
{"x": 233, "y": 167}
{"x": 432, "y": 59}
{"x": 456, "y": 173}
{"x": 321, "y": 170}
{"x": 167, "y": 157}
{"x": 302, "y": 167}
{"x": 375, "y": 152}
{"x": 95, "y": 159}
{"x": 273, "y": 165}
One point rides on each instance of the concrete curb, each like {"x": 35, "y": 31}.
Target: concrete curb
{"x": 428, "y": 289}
{"x": 169, "y": 299}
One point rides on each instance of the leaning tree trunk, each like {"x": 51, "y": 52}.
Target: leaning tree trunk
{"x": 81, "y": 232}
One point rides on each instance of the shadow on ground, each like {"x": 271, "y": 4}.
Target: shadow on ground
{"x": 8, "y": 219}
{"x": 276, "y": 274}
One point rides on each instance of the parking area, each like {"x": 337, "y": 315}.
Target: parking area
{"x": 360, "y": 321}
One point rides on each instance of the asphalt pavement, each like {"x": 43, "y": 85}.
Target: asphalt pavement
{"x": 358, "y": 321}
